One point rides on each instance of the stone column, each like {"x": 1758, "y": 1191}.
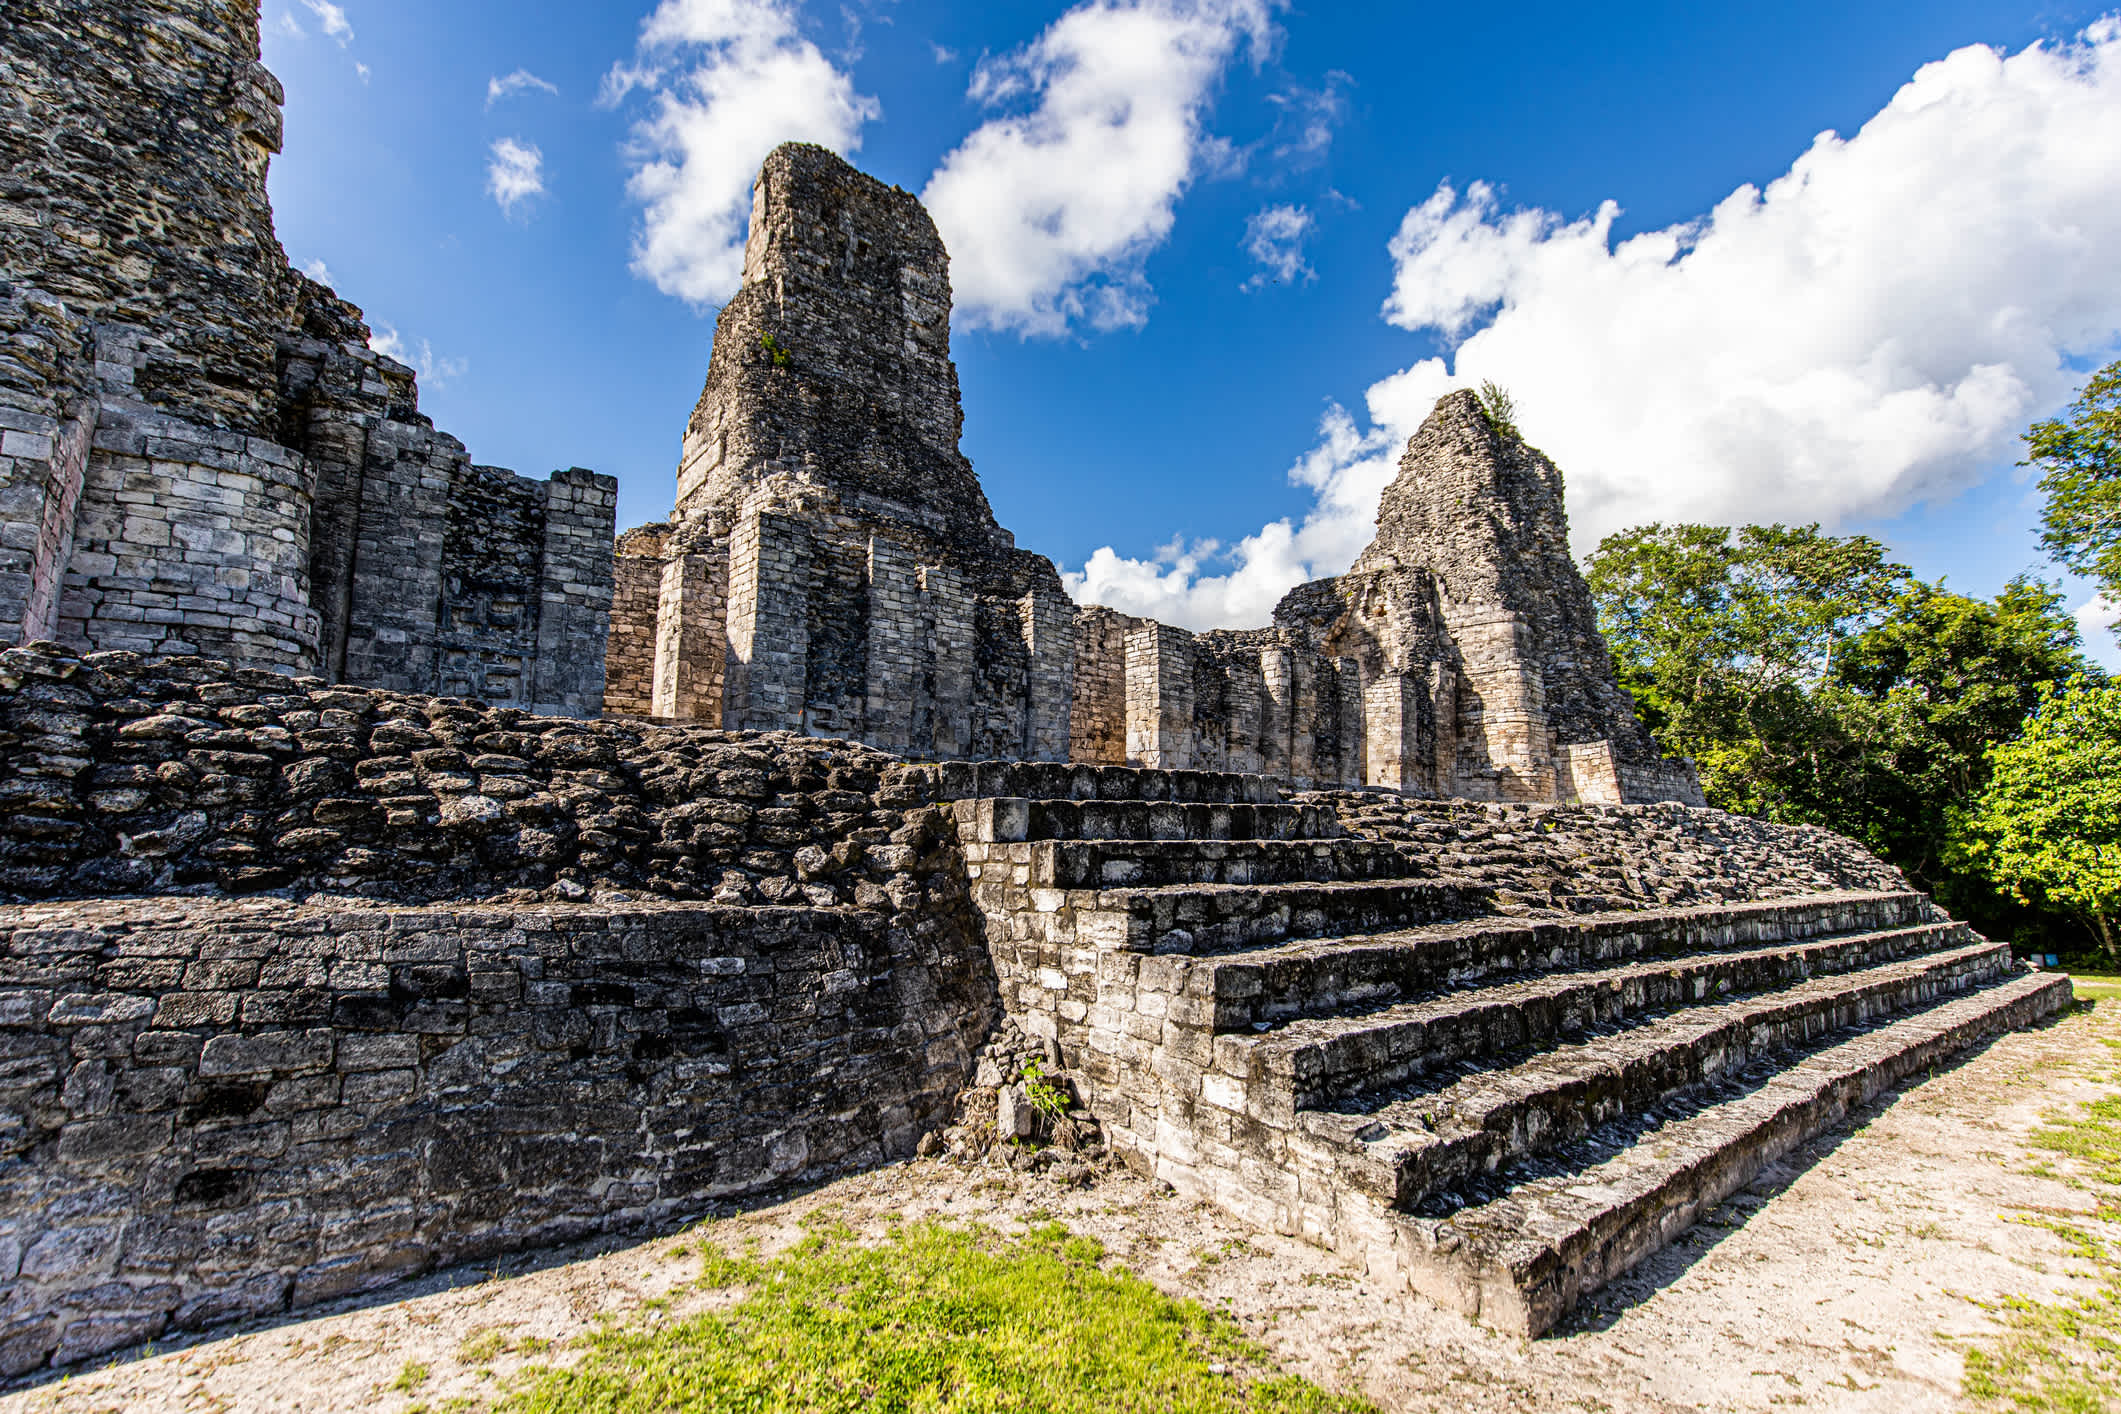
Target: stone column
{"x": 1277, "y": 682}
{"x": 691, "y": 639}
{"x": 1097, "y": 719}
{"x": 1048, "y": 618}
{"x": 1501, "y": 671}
{"x": 898, "y": 646}
{"x": 1400, "y": 751}
{"x": 1159, "y": 696}
{"x": 1245, "y": 701}
{"x": 953, "y": 629}
{"x": 1443, "y": 714}
{"x": 1587, "y": 774}
{"x": 768, "y": 624}
{"x": 574, "y": 593}
{"x": 396, "y": 582}
{"x": 1345, "y": 685}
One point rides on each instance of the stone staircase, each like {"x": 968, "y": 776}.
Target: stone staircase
{"x": 1386, "y": 1051}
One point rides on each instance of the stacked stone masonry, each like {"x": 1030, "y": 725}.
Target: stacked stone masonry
{"x": 516, "y": 980}
{"x": 833, "y": 567}
{"x": 534, "y": 977}
{"x": 199, "y": 451}
{"x": 1495, "y": 1054}
{"x": 334, "y": 945}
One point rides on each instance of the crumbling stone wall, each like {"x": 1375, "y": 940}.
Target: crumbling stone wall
{"x": 225, "y": 1108}
{"x": 834, "y": 567}
{"x": 1479, "y": 647}
{"x": 124, "y": 775}
{"x": 1593, "y": 858}
{"x": 134, "y": 143}
{"x": 630, "y": 648}
{"x": 202, "y": 453}
{"x": 518, "y": 979}
{"x": 47, "y": 416}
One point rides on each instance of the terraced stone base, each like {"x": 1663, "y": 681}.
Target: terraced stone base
{"x": 1379, "y": 1045}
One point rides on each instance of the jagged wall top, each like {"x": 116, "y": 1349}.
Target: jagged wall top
{"x": 856, "y": 393}
{"x": 134, "y": 141}
{"x": 1482, "y": 511}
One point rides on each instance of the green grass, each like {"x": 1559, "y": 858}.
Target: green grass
{"x": 930, "y": 1317}
{"x": 2064, "y": 1355}
{"x": 2096, "y": 989}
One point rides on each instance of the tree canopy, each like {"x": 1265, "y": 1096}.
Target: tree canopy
{"x": 1815, "y": 681}
{"x": 2079, "y": 458}
{"x": 2047, "y": 824}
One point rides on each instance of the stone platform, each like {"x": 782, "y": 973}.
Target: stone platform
{"x": 1495, "y": 1055}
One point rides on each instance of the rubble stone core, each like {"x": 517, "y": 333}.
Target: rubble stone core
{"x": 199, "y": 451}
{"x": 832, "y": 566}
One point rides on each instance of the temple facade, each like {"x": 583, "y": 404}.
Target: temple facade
{"x": 832, "y": 567}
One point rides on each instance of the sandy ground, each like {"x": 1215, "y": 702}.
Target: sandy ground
{"x": 1848, "y": 1278}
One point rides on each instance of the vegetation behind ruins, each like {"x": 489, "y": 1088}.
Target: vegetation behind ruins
{"x": 1815, "y": 681}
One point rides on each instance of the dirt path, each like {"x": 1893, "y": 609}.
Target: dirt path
{"x": 1847, "y": 1280}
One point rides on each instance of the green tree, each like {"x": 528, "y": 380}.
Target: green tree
{"x": 2047, "y": 825}
{"x": 1501, "y": 409}
{"x": 1814, "y": 681}
{"x": 1723, "y": 637}
{"x": 2079, "y": 457}
{"x": 1920, "y": 699}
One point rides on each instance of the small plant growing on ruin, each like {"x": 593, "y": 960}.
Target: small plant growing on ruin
{"x": 1501, "y": 408}
{"x": 1045, "y": 1097}
{"x": 776, "y": 351}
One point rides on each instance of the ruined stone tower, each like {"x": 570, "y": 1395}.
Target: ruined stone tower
{"x": 1485, "y": 675}
{"x": 833, "y": 566}
{"x": 199, "y": 452}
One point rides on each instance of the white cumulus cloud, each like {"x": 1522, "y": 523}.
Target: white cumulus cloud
{"x": 521, "y": 81}
{"x": 1274, "y": 238}
{"x": 1873, "y": 328}
{"x": 514, "y": 173}
{"x": 320, "y": 272}
{"x": 333, "y": 19}
{"x": 1051, "y": 209}
{"x": 435, "y": 371}
{"x": 730, "y": 81}
{"x": 2096, "y": 618}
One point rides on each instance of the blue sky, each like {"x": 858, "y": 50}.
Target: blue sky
{"x": 1214, "y": 258}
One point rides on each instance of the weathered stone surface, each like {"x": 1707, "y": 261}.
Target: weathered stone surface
{"x": 833, "y": 567}
{"x": 191, "y": 776}
{"x": 1423, "y": 1032}
{"x": 474, "y": 1080}
{"x": 199, "y": 452}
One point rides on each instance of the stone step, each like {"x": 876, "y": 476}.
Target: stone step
{"x": 1407, "y": 1150}
{"x": 1276, "y": 984}
{"x": 1061, "y": 780}
{"x": 1523, "y": 1260}
{"x": 1210, "y": 918}
{"x": 1311, "y": 1062}
{"x": 1014, "y": 819}
{"x": 1101, "y": 864}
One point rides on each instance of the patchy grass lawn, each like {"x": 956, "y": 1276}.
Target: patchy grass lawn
{"x": 2096, "y": 989}
{"x": 2064, "y": 1355}
{"x": 932, "y": 1316}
